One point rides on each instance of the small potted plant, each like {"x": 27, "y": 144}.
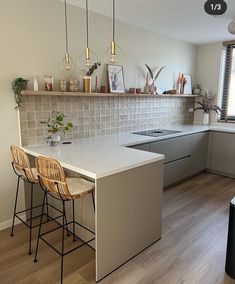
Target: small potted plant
{"x": 197, "y": 89}
{"x": 56, "y": 125}
{"x": 19, "y": 85}
{"x": 207, "y": 105}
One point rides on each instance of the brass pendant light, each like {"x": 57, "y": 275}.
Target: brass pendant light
{"x": 87, "y": 59}
{"x": 114, "y": 52}
{"x": 113, "y": 58}
{"x": 67, "y": 64}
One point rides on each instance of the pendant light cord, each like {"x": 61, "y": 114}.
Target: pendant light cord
{"x": 114, "y": 19}
{"x": 66, "y": 26}
{"x": 87, "y": 25}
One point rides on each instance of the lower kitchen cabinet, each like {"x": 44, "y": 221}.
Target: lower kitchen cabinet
{"x": 199, "y": 149}
{"x": 176, "y": 171}
{"x": 184, "y": 155}
{"x": 222, "y": 153}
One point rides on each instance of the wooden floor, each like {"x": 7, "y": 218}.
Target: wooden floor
{"x": 192, "y": 248}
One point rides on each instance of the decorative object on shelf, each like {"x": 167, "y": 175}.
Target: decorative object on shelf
{"x": 138, "y": 90}
{"x": 73, "y": 85}
{"x": 96, "y": 85}
{"x": 181, "y": 82}
{"x": 170, "y": 92}
{"x": 86, "y": 59}
{"x": 49, "y": 83}
{"x": 19, "y": 85}
{"x": 146, "y": 88}
{"x": 87, "y": 78}
{"x": 114, "y": 52}
{"x": 35, "y": 82}
{"x": 207, "y": 105}
{"x": 87, "y": 84}
{"x": 116, "y": 79}
{"x": 197, "y": 90}
{"x": 67, "y": 64}
{"x": 132, "y": 90}
{"x": 56, "y": 125}
{"x": 152, "y": 88}
{"x": 103, "y": 89}
{"x": 231, "y": 27}
{"x": 187, "y": 89}
{"x": 63, "y": 85}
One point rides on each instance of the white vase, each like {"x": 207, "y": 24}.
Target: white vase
{"x": 206, "y": 119}
{"x": 54, "y": 139}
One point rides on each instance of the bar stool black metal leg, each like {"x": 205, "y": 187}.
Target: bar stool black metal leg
{"x": 40, "y": 227}
{"x": 93, "y": 199}
{"x": 48, "y": 219}
{"x": 66, "y": 223}
{"x": 16, "y": 199}
{"x": 62, "y": 249}
{"x": 74, "y": 238}
{"x": 31, "y": 219}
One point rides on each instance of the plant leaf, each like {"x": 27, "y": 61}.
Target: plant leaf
{"x": 150, "y": 71}
{"x": 158, "y": 73}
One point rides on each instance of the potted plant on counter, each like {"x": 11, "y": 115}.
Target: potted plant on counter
{"x": 207, "y": 105}
{"x": 56, "y": 125}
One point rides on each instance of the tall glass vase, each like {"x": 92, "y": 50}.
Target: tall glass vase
{"x": 87, "y": 84}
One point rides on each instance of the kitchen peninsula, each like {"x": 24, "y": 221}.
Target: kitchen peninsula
{"x": 128, "y": 182}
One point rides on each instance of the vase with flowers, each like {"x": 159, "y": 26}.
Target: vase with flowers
{"x": 151, "y": 88}
{"x": 87, "y": 77}
{"x": 207, "y": 105}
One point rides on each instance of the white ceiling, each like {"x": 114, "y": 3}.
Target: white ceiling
{"x": 180, "y": 19}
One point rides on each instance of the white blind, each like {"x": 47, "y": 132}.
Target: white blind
{"x": 231, "y": 95}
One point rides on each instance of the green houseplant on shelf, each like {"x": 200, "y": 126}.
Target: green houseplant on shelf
{"x": 56, "y": 125}
{"x": 19, "y": 85}
{"x": 207, "y": 105}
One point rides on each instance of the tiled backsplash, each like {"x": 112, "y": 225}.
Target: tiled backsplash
{"x": 100, "y": 115}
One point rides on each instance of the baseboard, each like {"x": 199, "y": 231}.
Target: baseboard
{"x": 7, "y": 224}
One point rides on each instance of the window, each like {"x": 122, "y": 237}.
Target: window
{"x": 228, "y": 98}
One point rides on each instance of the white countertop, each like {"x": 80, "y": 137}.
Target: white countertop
{"x": 101, "y": 156}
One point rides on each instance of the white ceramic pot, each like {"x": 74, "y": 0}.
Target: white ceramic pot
{"x": 206, "y": 119}
{"x": 54, "y": 139}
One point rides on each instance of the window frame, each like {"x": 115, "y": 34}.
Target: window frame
{"x": 230, "y": 48}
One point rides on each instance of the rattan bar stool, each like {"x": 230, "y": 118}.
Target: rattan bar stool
{"x": 53, "y": 182}
{"x": 23, "y": 170}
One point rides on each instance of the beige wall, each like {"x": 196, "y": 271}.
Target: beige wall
{"x": 208, "y": 71}
{"x": 32, "y": 40}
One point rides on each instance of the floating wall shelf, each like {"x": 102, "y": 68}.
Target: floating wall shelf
{"x": 82, "y": 94}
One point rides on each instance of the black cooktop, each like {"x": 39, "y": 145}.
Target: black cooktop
{"x": 156, "y": 132}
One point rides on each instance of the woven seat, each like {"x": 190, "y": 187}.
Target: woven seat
{"x": 79, "y": 187}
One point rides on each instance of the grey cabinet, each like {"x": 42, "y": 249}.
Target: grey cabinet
{"x": 184, "y": 156}
{"x": 222, "y": 153}
{"x": 176, "y": 171}
{"x": 199, "y": 149}
{"x": 143, "y": 147}
{"x": 173, "y": 149}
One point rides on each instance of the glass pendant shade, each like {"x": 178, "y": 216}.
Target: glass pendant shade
{"x": 231, "y": 27}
